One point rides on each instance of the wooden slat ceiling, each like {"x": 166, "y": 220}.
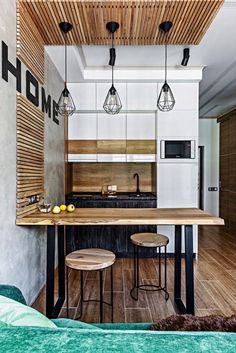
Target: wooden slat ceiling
{"x": 139, "y": 20}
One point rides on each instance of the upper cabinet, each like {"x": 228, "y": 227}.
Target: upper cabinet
{"x": 111, "y": 127}
{"x": 186, "y": 95}
{"x": 84, "y": 95}
{"x": 102, "y": 90}
{"x": 177, "y": 123}
{"x": 141, "y": 126}
{"x": 141, "y": 96}
{"x": 82, "y": 127}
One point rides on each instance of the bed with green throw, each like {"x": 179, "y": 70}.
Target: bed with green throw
{"x": 63, "y": 335}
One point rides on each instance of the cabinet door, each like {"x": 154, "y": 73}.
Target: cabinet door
{"x": 186, "y": 95}
{"x": 141, "y": 96}
{"x": 111, "y": 127}
{"x": 177, "y": 124}
{"x": 141, "y": 126}
{"x": 84, "y": 95}
{"x": 102, "y": 90}
{"x": 82, "y": 127}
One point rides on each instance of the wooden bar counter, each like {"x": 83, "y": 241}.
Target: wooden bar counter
{"x": 182, "y": 219}
{"x": 123, "y": 216}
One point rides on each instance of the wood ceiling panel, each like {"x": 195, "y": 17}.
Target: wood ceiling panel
{"x": 139, "y": 20}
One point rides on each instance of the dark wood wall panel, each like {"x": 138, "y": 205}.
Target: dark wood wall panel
{"x": 228, "y": 169}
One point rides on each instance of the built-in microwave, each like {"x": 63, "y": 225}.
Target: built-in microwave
{"x": 177, "y": 149}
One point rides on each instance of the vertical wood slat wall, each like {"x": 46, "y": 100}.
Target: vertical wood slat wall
{"x": 228, "y": 169}
{"x": 29, "y": 42}
{"x": 30, "y": 155}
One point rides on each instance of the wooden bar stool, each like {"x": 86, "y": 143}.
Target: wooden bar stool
{"x": 150, "y": 240}
{"x": 91, "y": 260}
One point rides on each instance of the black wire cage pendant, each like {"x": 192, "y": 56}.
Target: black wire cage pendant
{"x": 112, "y": 104}
{"x": 66, "y": 105}
{"x": 165, "y": 101}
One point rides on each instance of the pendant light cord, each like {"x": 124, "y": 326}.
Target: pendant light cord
{"x": 65, "y": 60}
{"x": 165, "y": 61}
{"x": 112, "y": 68}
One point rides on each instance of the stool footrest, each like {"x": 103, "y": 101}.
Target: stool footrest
{"x": 149, "y": 288}
{"x": 96, "y": 301}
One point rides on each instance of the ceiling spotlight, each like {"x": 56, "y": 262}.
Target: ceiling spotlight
{"x": 186, "y": 57}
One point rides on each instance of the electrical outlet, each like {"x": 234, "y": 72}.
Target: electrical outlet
{"x": 212, "y": 188}
{"x": 33, "y": 199}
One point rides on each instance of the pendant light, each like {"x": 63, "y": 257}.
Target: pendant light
{"x": 66, "y": 105}
{"x": 112, "y": 104}
{"x": 166, "y": 100}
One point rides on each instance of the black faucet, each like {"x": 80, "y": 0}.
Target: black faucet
{"x": 137, "y": 188}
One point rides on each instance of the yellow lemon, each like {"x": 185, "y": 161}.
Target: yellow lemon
{"x": 63, "y": 207}
{"x": 70, "y": 208}
{"x": 56, "y": 209}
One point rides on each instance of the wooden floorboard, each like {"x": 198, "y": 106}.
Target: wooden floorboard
{"x": 215, "y": 284}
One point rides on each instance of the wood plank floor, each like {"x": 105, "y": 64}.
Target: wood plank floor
{"x": 215, "y": 284}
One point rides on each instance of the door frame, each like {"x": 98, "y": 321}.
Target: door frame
{"x": 201, "y": 151}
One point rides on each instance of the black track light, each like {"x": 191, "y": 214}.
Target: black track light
{"x": 186, "y": 56}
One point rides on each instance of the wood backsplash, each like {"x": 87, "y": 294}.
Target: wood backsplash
{"x": 85, "y": 177}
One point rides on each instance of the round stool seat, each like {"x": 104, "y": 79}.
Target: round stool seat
{"x": 90, "y": 259}
{"x": 150, "y": 240}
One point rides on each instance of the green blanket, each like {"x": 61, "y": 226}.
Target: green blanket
{"x": 43, "y": 340}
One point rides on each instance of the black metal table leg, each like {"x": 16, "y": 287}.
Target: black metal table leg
{"x": 101, "y": 295}
{"x": 177, "y": 277}
{"x": 189, "y": 276}
{"x": 51, "y": 310}
{"x": 61, "y": 262}
{"x": 50, "y": 270}
{"x": 189, "y": 272}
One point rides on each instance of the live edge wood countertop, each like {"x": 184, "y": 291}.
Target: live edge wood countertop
{"x": 123, "y": 216}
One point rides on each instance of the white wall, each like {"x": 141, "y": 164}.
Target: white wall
{"x": 209, "y": 138}
{"x": 22, "y": 249}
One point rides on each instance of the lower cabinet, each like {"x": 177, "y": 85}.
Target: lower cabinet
{"x": 113, "y": 238}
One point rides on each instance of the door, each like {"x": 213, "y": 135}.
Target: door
{"x": 201, "y": 177}
{"x": 228, "y": 169}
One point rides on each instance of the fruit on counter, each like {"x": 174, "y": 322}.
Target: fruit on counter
{"x": 70, "y": 208}
{"x": 62, "y": 207}
{"x": 56, "y": 209}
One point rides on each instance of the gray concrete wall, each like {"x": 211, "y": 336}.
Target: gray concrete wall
{"x": 23, "y": 249}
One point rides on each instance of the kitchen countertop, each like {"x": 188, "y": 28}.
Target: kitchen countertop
{"x": 118, "y": 196}
{"x": 123, "y": 216}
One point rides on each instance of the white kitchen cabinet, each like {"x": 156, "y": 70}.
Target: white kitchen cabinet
{"x": 102, "y": 90}
{"x": 141, "y": 126}
{"x": 177, "y": 124}
{"x": 82, "y": 158}
{"x": 141, "y": 158}
{"x": 84, "y": 95}
{"x": 111, "y": 157}
{"x": 111, "y": 127}
{"x": 177, "y": 185}
{"x": 141, "y": 96}
{"x": 186, "y": 95}
{"x": 82, "y": 127}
